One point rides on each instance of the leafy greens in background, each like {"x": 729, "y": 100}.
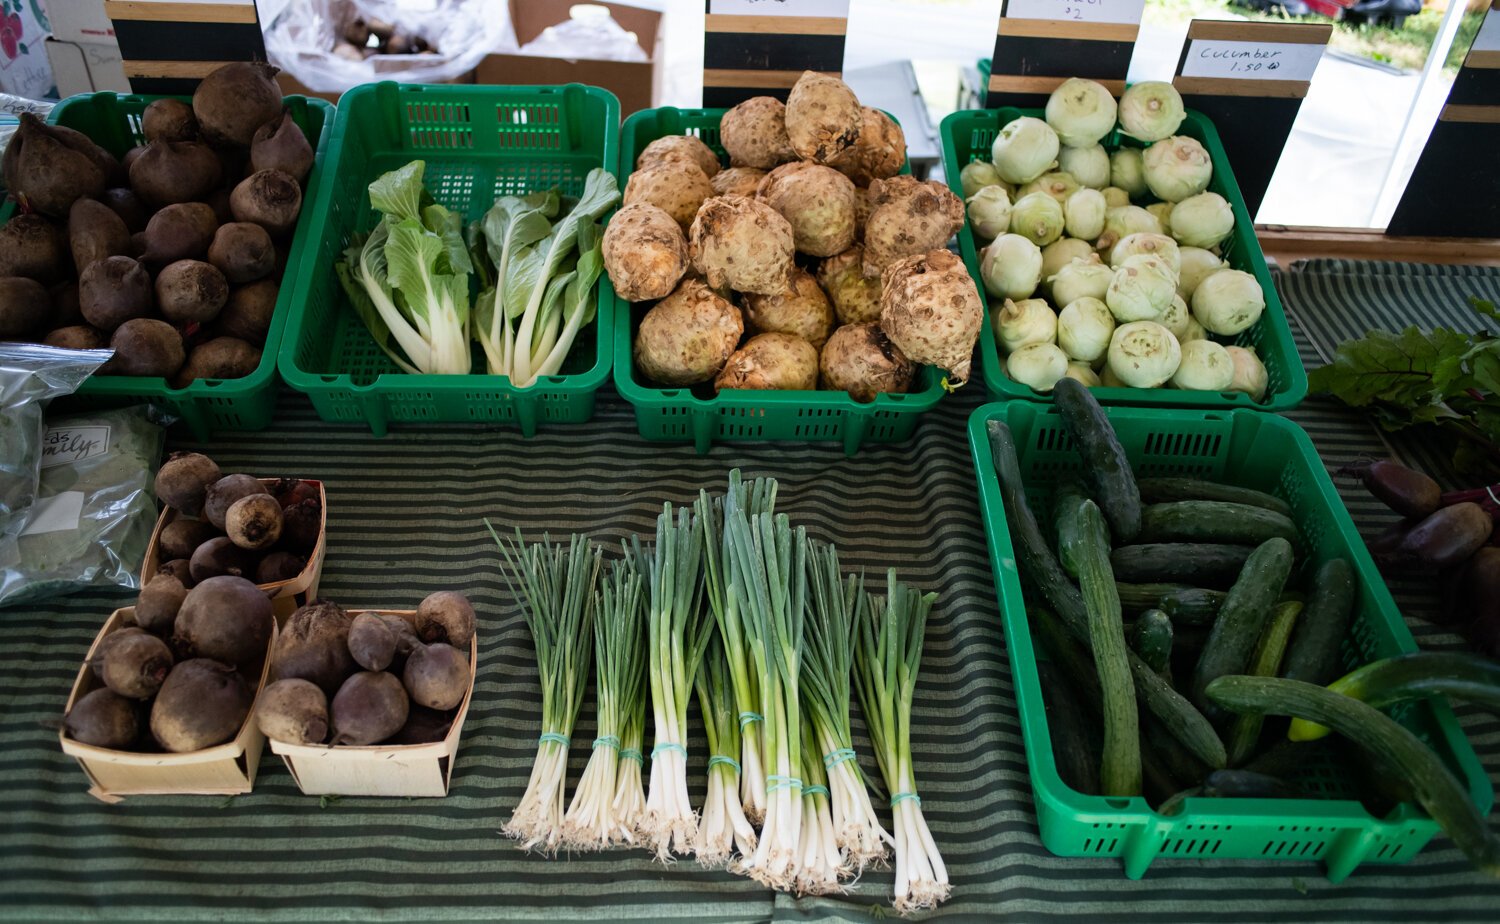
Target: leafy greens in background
{"x": 1441, "y": 378}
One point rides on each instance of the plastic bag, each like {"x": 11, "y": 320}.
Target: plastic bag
{"x": 301, "y": 39}
{"x": 30, "y": 376}
{"x": 590, "y": 33}
{"x": 95, "y": 507}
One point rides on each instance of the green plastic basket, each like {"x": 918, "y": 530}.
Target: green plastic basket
{"x": 984, "y": 66}
{"x": 967, "y": 136}
{"x": 479, "y": 143}
{"x": 700, "y": 417}
{"x": 114, "y": 122}
{"x": 1255, "y": 450}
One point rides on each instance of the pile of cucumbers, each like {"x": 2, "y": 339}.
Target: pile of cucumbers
{"x": 1166, "y": 610}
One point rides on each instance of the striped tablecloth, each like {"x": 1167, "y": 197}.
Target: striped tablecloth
{"x": 405, "y": 519}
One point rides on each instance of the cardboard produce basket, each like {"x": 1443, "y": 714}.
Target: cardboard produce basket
{"x": 381, "y": 769}
{"x": 223, "y": 770}
{"x": 286, "y": 596}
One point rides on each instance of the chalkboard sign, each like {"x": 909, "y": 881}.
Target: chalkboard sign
{"x": 167, "y": 47}
{"x": 1452, "y": 190}
{"x": 760, "y": 47}
{"x": 1041, "y": 43}
{"x": 1250, "y": 79}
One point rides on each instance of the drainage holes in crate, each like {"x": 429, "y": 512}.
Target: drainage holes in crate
{"x": 1203, "y": 445}
{"x": 1191, "y": 847}
{"x": 815, "y": 431}
{"x": 1388, "y": 851}
{"x": 431, "y": 114}
{"x": 1100, "y": 844}
{"x": 1053, "y": 439}
{"x": 451, "y": 139}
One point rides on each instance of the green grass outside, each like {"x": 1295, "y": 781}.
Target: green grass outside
{"x": 1405, "y": 48}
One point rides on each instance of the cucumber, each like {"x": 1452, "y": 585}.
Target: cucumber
{"x": 1199, "y": 564}
{"x": 1313, "y": 655}
{"x": 1434, "y": 787}
{"x": 1214, "y": 521}
{"x": 1043, "y": 574}
{"x": 1191, "y": 606}
{"x": 1083, "y": 541}
{"x": 1152, "y": 640}
{"x": 1074, "y": 663}
{"x": 1074, "y": 753}
{"x": 1244, "y": 615}
{"x": 1163, "y": 490}
{"x": 1469, "y": 677}
{"x": 1067, "y": 523}
{"x": 1137, "y": 597}
{"x": 1246, "y": 784}
{"x": 1105, "y": 465}
{"x": 1244, "y": 734}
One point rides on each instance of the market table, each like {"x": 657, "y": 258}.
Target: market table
{"x": 406, "y": 519}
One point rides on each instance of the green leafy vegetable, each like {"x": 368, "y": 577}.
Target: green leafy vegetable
{"x": 409, "y": 279}
{"x": 1443, "y": 378}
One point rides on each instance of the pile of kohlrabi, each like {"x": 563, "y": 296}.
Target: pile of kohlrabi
{"x": 1087, "y": 285}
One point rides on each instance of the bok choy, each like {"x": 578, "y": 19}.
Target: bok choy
{"x": 408, "y": 279}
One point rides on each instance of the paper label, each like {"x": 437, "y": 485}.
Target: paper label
{"x": 823, "y": 8}
{"x": 1488, "y": 38}
{"x": 1252, "y": 60}
{"x": 1107, "y": 11}
{"x": 69, "y": 445}
{"x": 55, "y": 514}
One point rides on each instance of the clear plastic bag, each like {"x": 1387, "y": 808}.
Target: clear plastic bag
{"x": 589, "y": 33}
{"x": 95, "y": 508}
{"x": 301, "y": 39}
{"x": 30, "y": 376}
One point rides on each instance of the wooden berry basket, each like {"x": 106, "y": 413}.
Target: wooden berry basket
{"x": 381, "y": 769}
{"x": 223, "y": 770}
{"x": 286, "y": 596}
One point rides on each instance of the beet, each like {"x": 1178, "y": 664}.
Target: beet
{"x": 136, "y": 667}
{"x": 372, "y": 642}
{"x": 1404, "y": 490}
{"x": 294, "y": 711}
{"x": 253, "y": 522}
{"x": 108, "y": 642}
{"x": 181, "y": 537}
{"x": 183, "y": 481}
{"x": 160, "y": 600}
{"x": 181, "y": 569}
{"x": 219, "y": 557}
{"x": 437, "y": 676}
{"x": 1444, "y": 539}
{"x": 227, "y": 619}
{"x": 278, "y": 567}
{"x": 369, "y": 707}
{"x": 424, "y": 726}
{"x": 103, "y": 719}
{"x": 446, "y": 616}
{"x": 314, "y": 645}
{"x": 224, "y": 492}
{"x": 201, "y": 704}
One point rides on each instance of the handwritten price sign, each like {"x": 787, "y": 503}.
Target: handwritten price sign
{"x": 1102, "y": 11}
{"x": 1251, "y": 60}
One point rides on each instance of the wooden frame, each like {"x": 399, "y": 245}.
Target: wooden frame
{"x": 1286, "y": 244}
{"x": 416, "y": 770}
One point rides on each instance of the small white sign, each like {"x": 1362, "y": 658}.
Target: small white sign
{"x": 67, "y": 445}
{"x": 822, "y": 8}
{"x": 1252, "y": 60}
{"x": 1488, "y": 38}
{"x": 55, "y": 514}
{"x": 1127, "y": 12}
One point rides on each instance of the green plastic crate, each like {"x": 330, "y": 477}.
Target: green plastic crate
{"x": 1255, "y": 450}
{"x": 967, "y": 136}
{"x": 114, "y": 122}
{"x": 701, "y": 417}
{"x": 479, "y": 143}
{"x": 984, "y": 66}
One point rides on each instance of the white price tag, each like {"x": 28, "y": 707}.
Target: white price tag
{"x": 1488, "y": 38}
{"x": 67, "y": 445}
{"x": 821, "y": 8}
{"x": 1127, "y": 12}
{"x": 55, "y": 514}
{"x": 1252, "y": 60}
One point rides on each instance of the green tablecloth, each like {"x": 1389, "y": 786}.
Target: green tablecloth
{"x": 405, "y": 519}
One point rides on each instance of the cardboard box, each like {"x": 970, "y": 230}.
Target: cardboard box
{"x": 80, "y": 21}
{"x": 637, "y": 84}
{"x": 86, "y": 67}
{"x": 23, "y": 59}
